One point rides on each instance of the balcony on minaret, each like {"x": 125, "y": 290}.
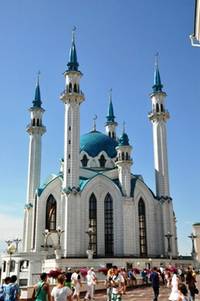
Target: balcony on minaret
{"x": 159, "y": 115}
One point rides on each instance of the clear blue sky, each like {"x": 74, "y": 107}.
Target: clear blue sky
{"x": 116, "y": 44}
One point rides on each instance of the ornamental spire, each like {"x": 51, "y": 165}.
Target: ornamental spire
{"x": 73, "y": 62}
{"x": 157, "y": 87}
{"x": 37, "y": 100}
{"x": 110, "y": 117}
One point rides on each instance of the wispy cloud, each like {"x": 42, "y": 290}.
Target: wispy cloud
{"x": 10, "y": 228}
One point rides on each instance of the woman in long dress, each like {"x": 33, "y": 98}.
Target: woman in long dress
{"x": 174, "y": 296}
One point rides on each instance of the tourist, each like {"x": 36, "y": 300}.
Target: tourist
{"x": 42, "y": 290}
{"x": 117, "y": 283}
{"x": 182, "y": 289}
{"x": 91, "y": 280}
{"x": 68, "y": 280}
{"x": 191, "y": 280}
{"x": 108, "y": 284}
{"x": 174, "y": 287}
{"x": 76, "y": 284}
{"x": 125, "y": 276}
{"x": 11, "y": 288}
{"x": 61, "y": 292}
{"x": 155, "y": 282}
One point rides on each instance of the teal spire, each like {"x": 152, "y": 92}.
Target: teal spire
{"x": 37, "y": 100}
{"x": 157, "y": 87}
{"x": 124, "y": 140}
{"x": 110, "y": 117}
{"x": 73, "y": 63}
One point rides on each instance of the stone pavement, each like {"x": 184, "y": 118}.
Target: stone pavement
{"x": 142, "y": 294}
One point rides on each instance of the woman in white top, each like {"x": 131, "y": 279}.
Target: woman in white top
{"x": 174, "y": 283}
{"x": 61, "y": 292}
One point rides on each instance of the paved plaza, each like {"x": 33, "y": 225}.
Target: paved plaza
{"x": 143, "y": 293}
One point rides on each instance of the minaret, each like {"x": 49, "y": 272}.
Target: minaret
{"x": 124, "y": 163}
{"x": 110, "y": 123}
{"x": 72, "y": 97}
{"x": 35, "y": 130}
{"x": 159, "y": 117}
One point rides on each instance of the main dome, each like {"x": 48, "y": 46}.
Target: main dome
{"x": 95, "y": 142}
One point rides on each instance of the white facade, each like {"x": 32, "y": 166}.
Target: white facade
{"x": 95, "y": 189}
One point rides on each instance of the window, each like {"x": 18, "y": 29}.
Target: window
{"x": 108, "y": 224}
{"x": 4, "y": 266}
{"x": 69, "y": 156}
{"x": 70, "y": 128}
{"x": 102, "y": 161}
{"x": 70, "y": 87}
{"x": 75, "y": 88}
{"x": 38, "y": 122}
{"x": 127, "y": 156}
{"x": 51, "y": 214}
{"x": 142, "y": 228}
{"x": 161, "y": 108}
{"x": 93, "y": 222}
{"x": 84, "y": 161}
{"x": 12, "y": 266}
{"x": 123, "y": 156}
{"x": 33, "y": 121}
{"x": 157, "y": 107}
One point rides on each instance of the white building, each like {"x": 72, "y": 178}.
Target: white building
{"x": 94, "y": 189}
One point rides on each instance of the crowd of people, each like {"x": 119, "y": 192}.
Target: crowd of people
{"x": 181, "y": 284}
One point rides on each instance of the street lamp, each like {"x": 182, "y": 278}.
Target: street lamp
{"x": 193, "y": 237}
{"x": 11, "y": 249}
{"x": 59, "y": 233}
{"x": 17, "y": 241}
{"x": 168, "y": 236}
{"x": 90, "y": 232}
{"x": 46, "y": 234}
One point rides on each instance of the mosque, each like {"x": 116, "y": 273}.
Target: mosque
{"x": 95, "y": 203}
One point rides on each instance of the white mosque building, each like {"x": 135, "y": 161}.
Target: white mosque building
{"x": 95, "y": 190}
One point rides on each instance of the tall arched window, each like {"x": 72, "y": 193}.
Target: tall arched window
{"x": 93, "y": 222}
{"x": 142, "y": 228}
{"x": 102, "y": 161}
{"x": 75, "y": 88}
{"x": 51, "y": 213}
{"x": 84, "y": 161}
{"x": 108, "y": 224}
{"x": 70, "y": 87}
{"x": 157, "y": 107}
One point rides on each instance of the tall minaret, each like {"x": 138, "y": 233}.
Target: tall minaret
{"x": 110, "y": 123}
{"x": 35, "y": 130}
{"x": 124, "y": 163}
{"x": 158, "y": 117}
{"x": 72, "y": 97}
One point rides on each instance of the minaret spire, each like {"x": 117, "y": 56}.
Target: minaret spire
{"x": 37, "y": 100}
{"x": 73, "y": 62}
{"x": 110, "y": 123}
{"x": 157, "y": 86}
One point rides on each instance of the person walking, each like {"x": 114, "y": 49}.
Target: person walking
{"x": 11, "y": 288}
{"x": 108, "y": 284}
{"x": 155, "y": 282}
{"x": 42, "y": 290}
{"x": 91, "y": 280}
{"x": 190, "y": 281}
{"x": 183, "y": 292}
{"x": 61, "y": 292}
{"x": 174, "y": 287}
{"x": 68, "y": 280}
{"x": 117, "y": 283}
{"x": 76, "y": 284}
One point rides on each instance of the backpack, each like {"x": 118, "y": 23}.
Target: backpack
{"x": 2, "y": 293}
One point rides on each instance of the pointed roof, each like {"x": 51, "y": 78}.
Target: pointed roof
{"x": 124, "y": 140}
{"x": 37, "y": 100}
{"x": 73, "y": 62}
{"x": 110, "y": 117}
{"x": 157, "y": 87}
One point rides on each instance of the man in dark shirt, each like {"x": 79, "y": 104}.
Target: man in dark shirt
{"x": 68, "y": 276}
{"x": 154, "y": 278}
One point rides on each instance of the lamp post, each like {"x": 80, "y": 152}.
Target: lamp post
{"x": 89, "y": 251}
{"x": 11, "y": 249}
{"x": 17, "y": 241}
{"x": 59, "y": 233}
{"x": 46, "y": 234}
{"x": 193, "y": 237}
{"x": 168, "y": 236}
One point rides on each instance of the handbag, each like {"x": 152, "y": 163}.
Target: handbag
{"x": 196, "y": 291}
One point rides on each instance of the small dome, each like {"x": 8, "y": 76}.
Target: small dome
{"x": 95, "y": 142}
{"x": 124, "y": 140}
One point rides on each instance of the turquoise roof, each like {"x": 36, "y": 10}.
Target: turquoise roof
{"x": 37, "y": 100}
{"x": 124, "y": 140}
{"x": 94, "y": 142}
{"x": 110, "y": 117}
{"x": 157, "y": 87}
{"x": 73, "y": 62}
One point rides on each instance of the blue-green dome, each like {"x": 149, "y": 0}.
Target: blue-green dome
{"x": 95, "y": 142}
{"x": 124, "y": 140}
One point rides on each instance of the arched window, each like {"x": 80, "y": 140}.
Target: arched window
{"x": 93, "y": 222}
{"x": 84, "y": 161}
{"x": 51, "y": 214}
{"x": 38, "y": 122}
{"x": 123, "y": 156}
{"x": 12, "y": 265}
{"x": 108, "y": 225}
{"x": 70, "y": 87}
{"x": 142, "y": 228}
{"x": 162, "y": 108}
{"x": 157, "y": 107}
{"x": 75, "y": 88}
{"x": 127, "y": 156}
{"x": 33, "y": 121}
{"x": 102, "y": 161}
